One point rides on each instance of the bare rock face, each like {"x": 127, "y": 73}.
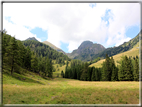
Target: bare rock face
{"x": 85, "y": 50}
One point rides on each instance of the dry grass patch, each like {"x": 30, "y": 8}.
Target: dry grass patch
{"x": 133, "y": 52}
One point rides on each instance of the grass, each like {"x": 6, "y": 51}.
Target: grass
{"x": 133, "y": 52}
{"x": 66, "y": 91}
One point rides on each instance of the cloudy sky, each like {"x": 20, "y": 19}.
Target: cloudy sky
{"x": 67, "y": 25}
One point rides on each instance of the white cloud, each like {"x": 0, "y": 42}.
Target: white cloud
{"x": 72, "y": 22}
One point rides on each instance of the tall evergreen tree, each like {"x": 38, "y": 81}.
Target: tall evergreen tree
{"x": 125, "y": 72}
{"x": 28, "y": 58}
{"x": 84, "y": 75}
{"x": 106, "y": 73}
{"x": 34, "y": 63}
{"x": 114, "y": 75}
{"x": 93, "y": 78}
{"x": 13, "y": 51}
{"x": 136, "y": 70}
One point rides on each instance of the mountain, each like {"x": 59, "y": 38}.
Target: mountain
{"x": 53, "y": 47}
{"x": 31, "y": 38}
{"x": 86, "y": 50}
{"x": 116, "y": 50}
{"x": 130, "y": 53}
{"x": 43, "y": 50}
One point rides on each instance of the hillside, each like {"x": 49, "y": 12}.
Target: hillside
{"x": 44, "y": 50}
{"x": 116, "y": 50}
{"x": 53, "y": 47}
{"x": 132, "y": 52}
{"x": 86, "y": 50}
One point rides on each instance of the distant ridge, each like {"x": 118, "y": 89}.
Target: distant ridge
{"x": 31, "y": 38}
{"x": 53, "y": 47}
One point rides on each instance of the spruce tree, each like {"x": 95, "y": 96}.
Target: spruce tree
{"x": 136, "y": 70}
{"x": 93, "y": 78}
{"x": 34, "y": 63}
{"x": 28, "y": 58}
{"x": 114, "y": 75}
{"x": 106, "y": 69}
{"x": 125, "y": 71}
{"x": 62, "y": 74}
{"x": 128, "y": 69}
{"x": 103, "y": 76}
{"x": 13, "y": 52}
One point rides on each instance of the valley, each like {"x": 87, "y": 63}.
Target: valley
{"x": 36, "y": 73}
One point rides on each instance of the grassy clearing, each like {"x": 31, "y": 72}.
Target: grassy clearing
{"x": 66, "y": 91}
{"x": 133, "y": 52}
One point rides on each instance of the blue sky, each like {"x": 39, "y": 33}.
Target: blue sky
{"x": 40, "y": 33}
{"x": 67, "y": 25}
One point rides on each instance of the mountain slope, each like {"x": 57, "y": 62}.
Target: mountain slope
{"x": 53, "y": 47}
{"x": 44, "y": 50}
{"x": 132, "y": 52}
{"x": 116, "y": 50}
{"x": 86, "y": 50}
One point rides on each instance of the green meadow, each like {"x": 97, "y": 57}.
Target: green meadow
{"x": 30, "y": 88}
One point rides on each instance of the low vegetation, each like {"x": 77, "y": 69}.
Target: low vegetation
{"x": 34, "y": 76}
{"x": 36, "y": 90}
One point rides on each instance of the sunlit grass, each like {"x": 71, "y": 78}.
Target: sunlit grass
{"x": 68, "y": 91}
{"x": 133, "y": 52}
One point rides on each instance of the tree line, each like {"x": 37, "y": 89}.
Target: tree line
{"x": 127, "y": 70}
{"x": 46, "y": 51}
{"x": 15, "y": 56}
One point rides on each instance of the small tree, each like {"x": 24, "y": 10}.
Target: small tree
{"x": 62, "y": 73}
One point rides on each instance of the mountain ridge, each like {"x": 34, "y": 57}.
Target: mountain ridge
{"x": 85, "y": 50}
{"x": 53, "y": 47}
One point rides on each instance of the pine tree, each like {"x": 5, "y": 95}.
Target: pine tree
{"x": 93, "y": 78}
{"x": 28, "y": 58}
{"x": 121, "y": 72}
{"x": 97, "y": 75}
{"x": 34, "y": 63}
{"x": 136, "y": 70}
{"x": 49, "y": 68}
{"x": 106, "y": 73}
{"x": 125, "y": 71}
{"x": 62, "y": 73}
{"x": 13, "y": 51}
{"x": 89, "y": 73}
{"x": 114, "y": 75}
{"x": 128, "y": 69}
{"x": 84, "y": 75}
{"x": 103, "y": 76}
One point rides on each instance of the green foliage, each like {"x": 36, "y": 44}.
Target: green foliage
{"x": 62, "y": 74}
{"x": 107, "y": 71}
{"x": 126, "y": 70}
{"x": 44, "y": 50}
{"x": 16, "y": 55}
{"x": 136, "y": 70}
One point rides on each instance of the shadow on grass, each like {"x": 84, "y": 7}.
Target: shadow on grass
{"x": 23, "y": 78}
